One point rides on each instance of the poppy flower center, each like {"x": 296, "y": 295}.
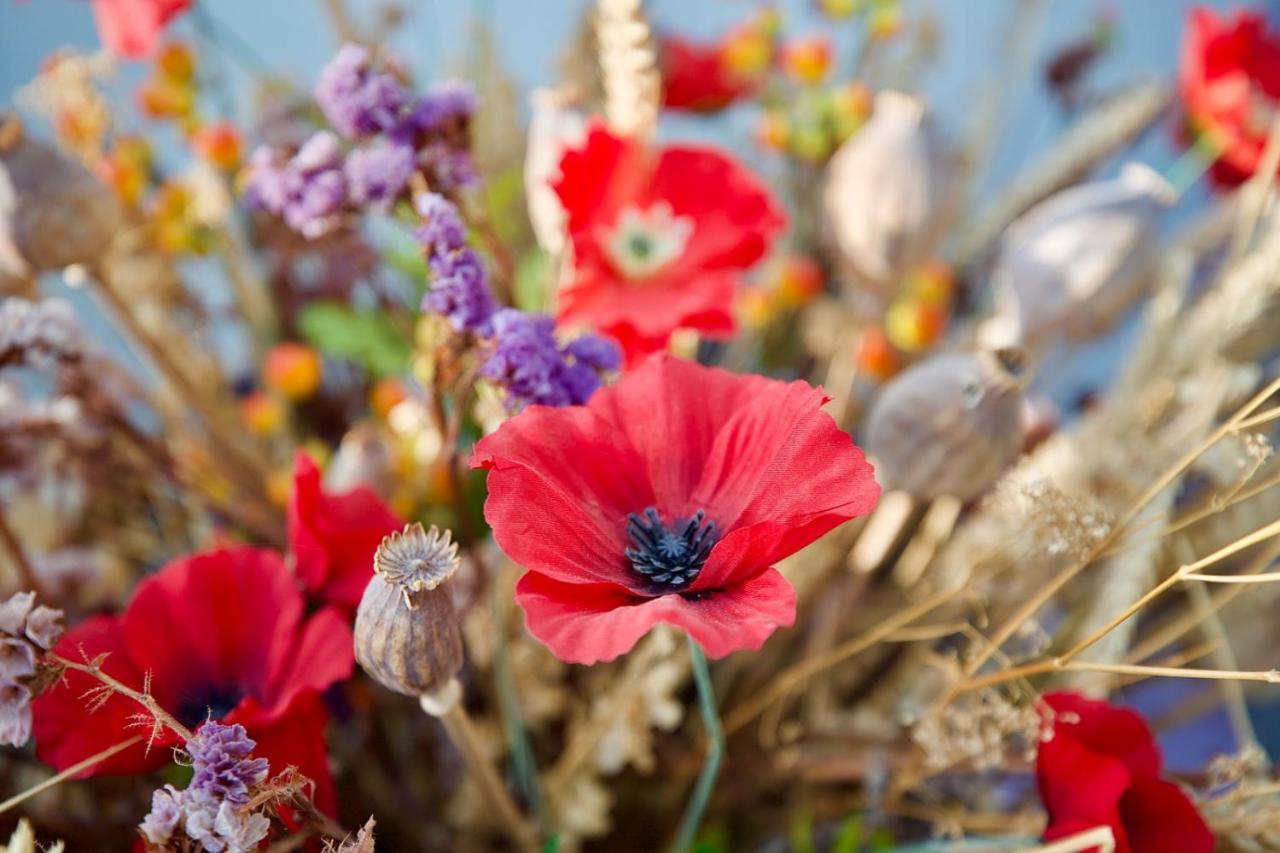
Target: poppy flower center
{"x": 210, "y": 702}
{"x": 644, "y": 241}
{"x": 669, "y": 557}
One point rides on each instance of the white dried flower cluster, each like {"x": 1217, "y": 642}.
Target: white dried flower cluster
{"x": 983, "y": 729}
{"x": 38, "y": 333}
{"x": 1056, "y": 524}
{"x": 26, "y": 632}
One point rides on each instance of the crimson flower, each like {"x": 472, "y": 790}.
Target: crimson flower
{"x": 130, "y": 28}
{"x": 217, "y": 635}
{"x": 668, "y": 497}
{"x": 660, "y": 238}
{"x": 1102, "y": 766}
{"x": 333, "y": 536}
{"x": 1229, "y": 80}
{"x": 696, "y": 78}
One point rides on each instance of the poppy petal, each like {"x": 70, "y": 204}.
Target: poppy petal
{"x": 69, "y": 728}
{"x": 323, "y": 657}
{"x": 1080, "y": 788}
{"x": 584, "y": 624}
{"x": 1159, "y": 816}
{"x": 297, "y": 739}
{"x": 561, "y": 483}
{"x": 1104, "y": 728}
{"x": 226, "y": 618}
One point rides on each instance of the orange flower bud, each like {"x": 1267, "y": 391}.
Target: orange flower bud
{"x": 176, "y": 62}
{"x": 261, "y": 413}
{"x": 386, "y": 394}
{"x": 913, "y": 325}
{"x": 219, "y": 145}
{"x": 799, "y": 281}
{"x": 293, "y": 370}
{"x": 807, "y": 60}
{"x": 875, "y": 356}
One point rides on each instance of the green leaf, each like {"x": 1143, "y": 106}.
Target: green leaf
{"x": 365, "y": 337}
{"x": 531, "y": 280}
{"x": 849, "y": 838}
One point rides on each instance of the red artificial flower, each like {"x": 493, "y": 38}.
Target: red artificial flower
{"x": 1101, "y": 766}
{"x": 130, "y": 28}
{"x": 1229, "y": 80}
{"x": 697, "y": 78}
{"x": 669, "y": 497}
{"x": 216, "y": 635}
{"x": 333, "y": 537}
{"x": 660, "y": 238}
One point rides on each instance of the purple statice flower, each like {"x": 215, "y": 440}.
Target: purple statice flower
{"x": 533, "y": 369}
{"x": 459, "y": 288}
{"x": 211, "y": 811}
{"x": 307, "y": 190}
{"x": 358, "y": 101}
{"x": 223, "y": 770}
{"x": 15, "y": 714}
{"x": 165, "y": 815}
{"x": 449, "y": 167}
{"x": 25, "y": 632}
{"x": 378, "y": 174}
{"x": 449, "y": 103}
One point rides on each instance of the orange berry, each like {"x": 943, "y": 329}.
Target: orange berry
{"x": 755, "y": 308}
{"x": 293, "y": 370}
{"x": 807, "y": 60}
{"x": 386, "y": 394}
{"x": 875, "y": 356}
{"x": 176, "y": 62}
{"x": 913, "y": 325}
{"x": 164, "y": 99}
{"x": 934, "y": 283}
{"x": 799, "y": 281}
{"x": 774, "y": 130}
{"x": 218, "y": 144}
{"x": 261, "y": 413}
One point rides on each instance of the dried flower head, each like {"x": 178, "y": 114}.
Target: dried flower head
{"x": 416, "y": 560}
{"x": 407, "y": 634}
{"x": 26, "y": 632}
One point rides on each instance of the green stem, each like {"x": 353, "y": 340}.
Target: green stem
{"x": 715, "y": 751}
{"x": 522, "y": 760}
{"x": 1194, "y": 162}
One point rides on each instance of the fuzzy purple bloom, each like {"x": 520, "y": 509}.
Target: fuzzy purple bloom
{"x": 308, "y": 191}
{"x": 357, "y": 100}
{"x": 223, "y": 770}
{"x": 442, "y": 229}
{"x": 460, "y": 291}
{"x": 166, "y": 812}
{"x": 533, "y": 369}
{"x": 450, "y": 168}
{"x": 378, "y": 174}
{"x": 446, "y": 103}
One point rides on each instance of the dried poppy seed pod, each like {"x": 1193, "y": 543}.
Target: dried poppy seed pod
{"x": 888, "y": 189}
{"x": 56, "y": 212}
{"x": 407, "y": 634}
{"x": 1074, "y": 263}
{"x": 950, "y": 425}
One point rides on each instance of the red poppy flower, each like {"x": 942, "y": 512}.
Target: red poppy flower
{"x": 1229, "y": 79}
{"x": 130, "y": 28}
{"x": 669, "y": 497}
{"x": 696, "y": 78}
{"x": 660, "y": 238}
{"x": 219, "y": 634}
{"x": 1102, "y": 766}
{"x": 333, "y": 536}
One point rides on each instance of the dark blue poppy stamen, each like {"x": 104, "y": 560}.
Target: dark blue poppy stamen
{"x": 209, "y": 702}
{"x": 670, "y": 558}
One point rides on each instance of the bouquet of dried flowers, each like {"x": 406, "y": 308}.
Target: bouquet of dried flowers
{"x": 569, "y": 427}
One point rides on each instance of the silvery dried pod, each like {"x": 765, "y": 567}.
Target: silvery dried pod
{"x": 888, "y": 191}
{"x": 60, "y": 213}
{"x": 949, "y": 425}
{"x": 1072, "y": 265}
{"x": 553, "y": 127}
{"x": 406, "y": 633}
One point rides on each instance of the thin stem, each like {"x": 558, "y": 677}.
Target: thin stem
{"x": 93, "y": 669}
{"x": 522, "y": 759}
{"x": 1041, "y": 667}
{"x": 1099, "y": 838}
{"x": 20, "y": 559}
{"x": 1193, "y": 163}
{"x": 78, "y": 767}
{"x": 715, "y": 751}
{"x": 457, "y": 724}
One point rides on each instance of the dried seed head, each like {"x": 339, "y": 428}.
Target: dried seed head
{"x": 950, "y": 425}
{"x": 889, "y": 190}
{"x": 407, "y": 634}
{"x": 1074, "y": 263}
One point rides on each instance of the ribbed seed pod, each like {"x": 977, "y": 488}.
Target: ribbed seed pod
{"x": 1074, "y": 263}
{"x": 57, "y": 213}
{"x": 950, "y": 425}
{"x": 888, "y": 191}
{"x": 407, "y": 634}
